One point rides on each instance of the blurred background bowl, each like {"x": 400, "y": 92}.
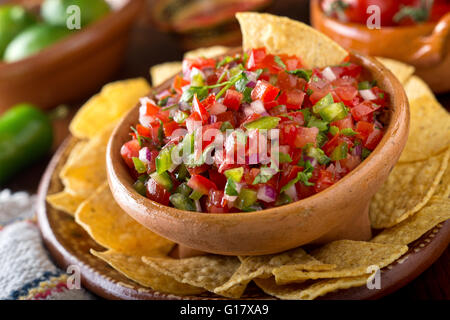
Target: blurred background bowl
{"x": 203, "y": 23}
{"x": 74, "y": 67}
{"x": 425, "y": 45}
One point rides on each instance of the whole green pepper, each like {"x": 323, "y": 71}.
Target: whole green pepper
{"x": 26, "y": 135}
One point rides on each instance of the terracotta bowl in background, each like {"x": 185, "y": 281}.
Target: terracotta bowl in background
{"x": 339, "y": 212}
{"x": 425, "y": 46}
{"x": 72, "y": 68}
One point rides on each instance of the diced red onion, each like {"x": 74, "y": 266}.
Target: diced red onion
{"x": 257, "y": 106}
{"x": 198, "y": 206}
{"x": 367, "y": 94}
{"x": 162, "y": 94}
{"x": 292, "y": 192}
{"x": 251, "y": 76}
{"x": 251, "y": 84}
{"x": 184, "y": 106}
{"x": 217, "y": 108}
{"x": 145, "y": 155}
{"x": 357, "y": 150}
{"x": 267, "y": 194}
{"x": 329, "y": 74}
{"x": 212, "y": 118}
{"x": 230, "y": 199}
{"x": 313, "y": 161}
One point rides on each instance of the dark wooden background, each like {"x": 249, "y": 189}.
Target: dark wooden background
{"x": 148, "y": 47}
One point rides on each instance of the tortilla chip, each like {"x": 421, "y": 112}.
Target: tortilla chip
{"x": 85, "y": 170}
{"x": 208, "y": 272}
{"x": 283, "y": 35}
{"x": 161, "y": 72}
{"x": 65, "y": 201}
{"x": 352, "y": 258}
{"x": 443, "y": 189}
{"x": 114, "y": 229}
{"x": 209, "y": 52}
{"x": 108, "y": 106}
{"x": 436, "y": 211}
{"x": 401, "y": 70}
{"x": 261, "y": 267}
{"x": 133, "y": 268}
{"x": 407, "y": 190}
{"x": 308, "y": 291}
{"x": 429, "y": 132}
{"x": 416, "y": 88}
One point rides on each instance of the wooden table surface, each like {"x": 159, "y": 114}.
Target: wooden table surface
{"x": 148, "y": 47}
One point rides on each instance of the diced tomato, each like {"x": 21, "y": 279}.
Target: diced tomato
{"x": 191, "y": 121}
{"x": 197, "y": 107}
{"x": 350, "y": 163}
{"x": 350, "y": 70}
{"x": 227, "y": 116}
{"x": 255, "y": 58}
{"x": 277, "y": 110}
{"x": 201, "y": 184}
{"x": 197, "y": 170}
{"x": 286, "y": 80}
{"x": 364, "y": 109}
{"x": 288, "y": 174}
{"x": 298, "y": 117}
{"x": 199, "y": 63}
{"x": 216, "y": 203}
{"x": 208, "y": 139}
{"x": 347, "y": 122}
{"x": 152, "y": 165}
{"x": 219, "y": 179}
{"x": 143, "y": 131}
{"x": 209, "y": 101}
{"x": 250, "y": 175}
{"x": 288, "y": 133}
{"x": 381, "y": 96}
{"x": 170, "y": 127}
{"x": 292, "y": 62}
{"x": 151, "y": 109}
{"x": 346, "y": 93}
{"x": 324, "y": 180}
{"x": 369, "y": 134}
{"x": 157, "y": 192}
{"x": 130, "y": 150}
{"x": 318, "y": 89}
{"x": 271, "y": 104}
{"x": 233, "y": 99}
{"x": 292, "y": 98}
{"x": 305, "y": 136}
{"x": 178, "y": 83}
{"x": 329, "y": 147}
{"x": 264, "y": 91}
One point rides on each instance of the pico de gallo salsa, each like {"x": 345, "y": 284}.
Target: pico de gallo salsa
{"x": 328, "y": 120}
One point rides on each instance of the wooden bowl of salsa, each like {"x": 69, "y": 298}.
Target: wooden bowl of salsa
{"x": 425, "y": 45}
{"x": 337, "y": 211}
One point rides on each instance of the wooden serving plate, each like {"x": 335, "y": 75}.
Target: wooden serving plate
{"x": 69, "y": 244}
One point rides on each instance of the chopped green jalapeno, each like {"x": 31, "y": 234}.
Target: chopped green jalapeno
{"x": 246, "y": 198}
{"x": 263, "y": 123}
{"x": 139, "y": 165}
{"x": 182, "y": 202}
{"x": 340, "y": 152}
{"x": 235, "y": 174}
{"x": 163, "y": 179}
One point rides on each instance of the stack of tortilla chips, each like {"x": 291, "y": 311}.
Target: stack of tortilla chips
{"x": 414, "y": 199}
